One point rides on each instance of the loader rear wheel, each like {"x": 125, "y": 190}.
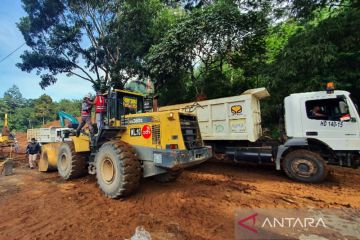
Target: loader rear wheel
{"x": 118, "y": 171}
{"x": 71, "y": 164}
{"x": 305, "y": 166}
{"x": 168, "y": 176}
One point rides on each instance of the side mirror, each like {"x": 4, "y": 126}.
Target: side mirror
{"x": 352, "y": 119}
{"x": 148, "y": 104}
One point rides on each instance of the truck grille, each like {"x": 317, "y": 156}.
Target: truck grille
{"x": 190, "y": 131}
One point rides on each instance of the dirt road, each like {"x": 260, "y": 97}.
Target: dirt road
{"x": 199, "y": 205}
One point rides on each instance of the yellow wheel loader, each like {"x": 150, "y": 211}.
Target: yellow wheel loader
{"x": 132, "y": 144}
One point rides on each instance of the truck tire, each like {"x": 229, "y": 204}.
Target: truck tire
{"x": 118, "y": 171}
{"x": 71, "y": 164}
{"x": 305, "y": 166}
{"x": 168, "y": 176}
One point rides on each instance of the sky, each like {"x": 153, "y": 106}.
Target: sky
{"x": 10, "y": 39}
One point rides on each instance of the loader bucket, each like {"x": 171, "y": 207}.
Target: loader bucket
{"x": 6, "y": 167}
{"x": 48, "y": 159}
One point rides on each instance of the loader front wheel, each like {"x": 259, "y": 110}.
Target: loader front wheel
{"x": 70, "y": 164}
{"x": 118, "y": 171}
{"x": 305, "y": 166}
{"x": 168, "y": 176}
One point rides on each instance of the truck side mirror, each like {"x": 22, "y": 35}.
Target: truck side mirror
{"x": 352, "y": 119}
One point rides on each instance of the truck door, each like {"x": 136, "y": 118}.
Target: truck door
{"x": 330, "y": 121}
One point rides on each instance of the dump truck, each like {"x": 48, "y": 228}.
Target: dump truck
{"x": 132, "y": 144}
{"x": 232, "y": 126}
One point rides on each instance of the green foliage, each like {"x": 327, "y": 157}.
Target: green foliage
{"x": 69, "y": 37}
{"x": 189, "y": 49}
{"x": 31, "y": 113}
{"x": 12, "y": 100}
{"x": 328, "y": 51}
{"x": 43, "y": 108}
{"x": 138, "y": 26}
{"x": 196, "y": 51}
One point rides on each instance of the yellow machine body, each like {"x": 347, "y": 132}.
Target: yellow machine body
{"x": 160, "y": 130}
{"x": 163, "y": 141}
{"x": 48, "y": 159}
{"x": 5, "y": 130}
{"x": 81, "y": 143}
{"x": 154, "y": 130}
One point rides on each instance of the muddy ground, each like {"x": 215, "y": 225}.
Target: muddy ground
{"x": 200, "y": 204}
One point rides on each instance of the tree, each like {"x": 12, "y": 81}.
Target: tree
{"x": 139, "y": 25}
{"x": 69, "y": 37}
{"x": 327, "y": 51}
{"x": 207, "y": 39}
{"x": 70, "y": 106}
{"x": 44, "y": 108}
{"x": 102, "y": 42}
{"x": 12, "y": 99}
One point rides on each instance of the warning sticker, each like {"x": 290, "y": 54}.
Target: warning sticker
{"x": 146, "y": 131}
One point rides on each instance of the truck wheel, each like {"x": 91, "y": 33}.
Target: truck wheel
{"x": 168, "y": 177}
{"x": 305, "y": 166}
{"x": 70, "y": 164}
{"x": 118, "y": 171}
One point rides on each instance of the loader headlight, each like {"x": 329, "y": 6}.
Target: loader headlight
{"x": 171, "y": 116}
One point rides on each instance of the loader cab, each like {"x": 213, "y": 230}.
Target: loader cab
{"x": 121, "y": 103}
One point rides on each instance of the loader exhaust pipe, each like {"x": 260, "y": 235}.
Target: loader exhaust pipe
{"x": 155, "y": 103}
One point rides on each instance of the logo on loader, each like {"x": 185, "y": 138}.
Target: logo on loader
{"x": 146, "y": 131}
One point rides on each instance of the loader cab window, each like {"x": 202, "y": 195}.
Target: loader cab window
{"x": 130, "y": 104}
{"x": 334, "y": 109}
{"x": 120, "y": 104}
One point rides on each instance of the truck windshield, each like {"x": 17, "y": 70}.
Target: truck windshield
{"x": 356, "y": 104}
{"x": 333, "y": 109}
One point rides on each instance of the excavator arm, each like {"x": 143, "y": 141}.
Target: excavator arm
{"x": 72, "y": 120}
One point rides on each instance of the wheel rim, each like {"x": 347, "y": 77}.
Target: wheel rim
{"x": 107, "y": 170}
{"x": 63, "y": 161}
{"x": 304, "y": 168}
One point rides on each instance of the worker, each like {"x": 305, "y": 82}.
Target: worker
{"x": 16, "y": 146}
{"x": 33, "y": 149}
{"x": 100, "y": 109}
{"x": 315, "y": 112}
{"x": 86, "y": 108}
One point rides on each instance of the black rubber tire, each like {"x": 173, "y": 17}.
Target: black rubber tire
{"x": 118, "y": 171}
{"x": 70, "y": 164}
{"x": 313, "y": 161}
{"x": 168, "y": 176}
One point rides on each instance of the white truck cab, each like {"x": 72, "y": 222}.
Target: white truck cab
{"x": 322, "y": 128}
{"x": 337, "y": 125}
